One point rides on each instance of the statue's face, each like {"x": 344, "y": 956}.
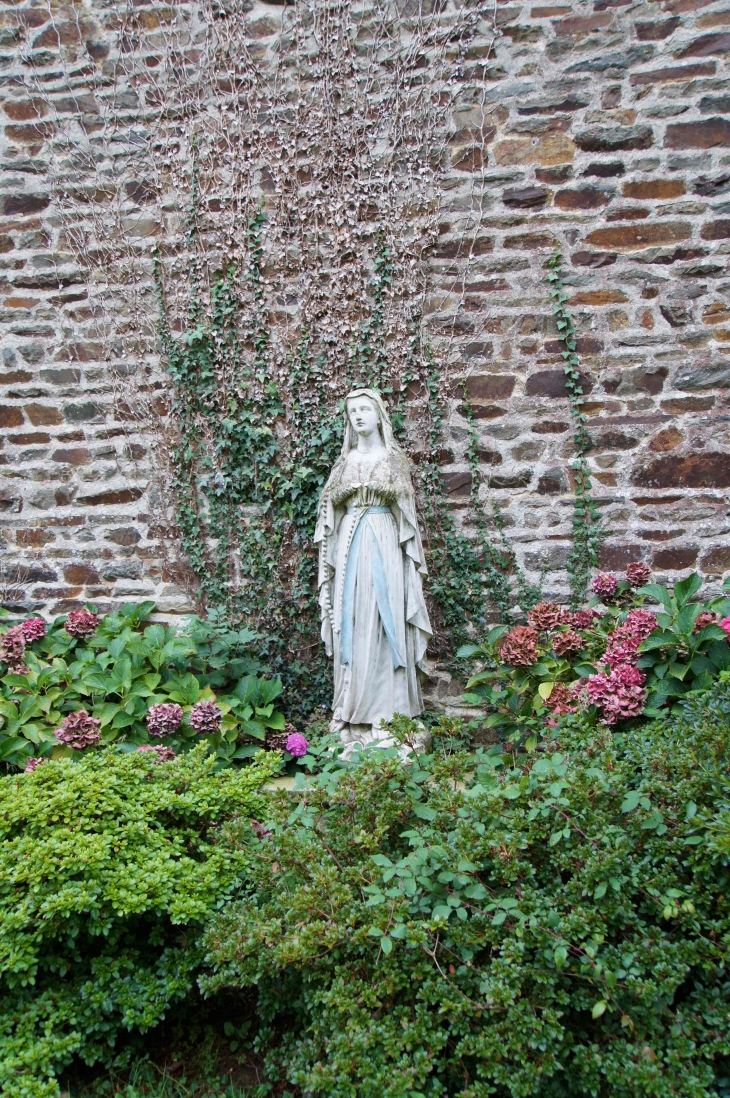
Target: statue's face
{"x": 364, "y": 415}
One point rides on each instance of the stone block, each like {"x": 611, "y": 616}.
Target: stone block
{"x": 613, "y": 138}
{"x": 716, "y": 560}
{"x": 11, "y": 416}
{"x": 111, "y": 497}
{"x": 716, "y": 230}
{"x": 673, "y": 74}
{"x": 708, "y": 134}
{"x": 707, "y": 469}
{"x": 635, "y": 237}
{"x": 488, "y": 387}
{"x": 675, "y": 559}
{"x": 552, "y": 383}
{"x": 77, "y": 456}
{"x": 582, "y": 198}
{"x": 525, "y": 197}
{"x": 656, "y": 30}
{"x": 457, "y": 484}
{"x": 86, "y": 412}
{"x": 80, "y": 574}
{"x": 552, "y": 482}
{"x": 14, "y": 205}
{"x": 654, "y": 188}
{"x": 705, "y": 46}
{"x": 713, "y": 375}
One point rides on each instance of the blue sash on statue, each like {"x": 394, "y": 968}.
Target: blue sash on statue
{"x": 380, "y": 583}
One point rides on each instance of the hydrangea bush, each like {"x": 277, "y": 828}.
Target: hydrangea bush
{"x": 86, "y": 681}
{"x": 109, "y": 867}
{"x": 634, "y": 650}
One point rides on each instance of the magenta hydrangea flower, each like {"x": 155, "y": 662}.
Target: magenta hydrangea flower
{"x": 12, "y": 650}
{"x": 81, "y": 623}
{"x": 79, "y": 730}
{"x": 205, "y": 717}
{"x": 161, "y": 753}
{"x": 164, "y": 719}
{"x": 638, "y": 573}
{"x": 34, "y": 629}
{"x": 642, "y": 622}
{"x": 605, "y": 585}
{"x": 33, "y": 764}
{"x": 725, "y": 624}
{"x": 297, "y": 744}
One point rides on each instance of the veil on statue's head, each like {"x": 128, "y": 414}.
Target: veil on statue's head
{"x": 386, "y": 427}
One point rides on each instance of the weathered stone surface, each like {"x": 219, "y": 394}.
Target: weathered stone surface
{"x": 716, "y": 230}
{"x": 552, "y": 383}
{"x": 11, "y": 417}
{"x": 675, "y": 559}
{"x": 714, "y": 375}
{"x": 488, "y": 387}
{"x": 633, "y": 237}
{"x": 582, "y": 198}
{"x": 672, "y": 74}
{"x": 705, "y": 46}
{"x": 612, "y": 138}
{"x": 552, "y": 482}
{"x": 525, "y": 197}
{"x": 654, "y": 188}
{"x": 702, "y": 470}
{"x": 656, "y": 31}
{"x": 707, "y": 134}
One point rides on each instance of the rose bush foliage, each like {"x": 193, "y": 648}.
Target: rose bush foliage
{"x": 110, "y": 864}
{"x": 636, "y": 649}
{"x": 135, "y": 682}
{"x": 552, "y": 925}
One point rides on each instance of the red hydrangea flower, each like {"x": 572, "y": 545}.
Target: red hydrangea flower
{"x": 563, "y": 643}
{"x": 638, "y": 573}
{"x": 34, "y": 629}
{"x": 545, "y": 616}
{"x": 12, "y": 650}
{"x": 519, "y": 647}
{"x": 161, "y": 753}
{"x": 81, "y": 623}
{"x": 205, "y": 717}
{"x": 605, "y": 585}
{"x": 164, "y": 719}
{"x": 79, "y": 730}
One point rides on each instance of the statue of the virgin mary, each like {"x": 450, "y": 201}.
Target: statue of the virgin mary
{"x": 374, "y": 619}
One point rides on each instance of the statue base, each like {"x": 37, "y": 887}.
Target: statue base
{"x": 357, "y": 736}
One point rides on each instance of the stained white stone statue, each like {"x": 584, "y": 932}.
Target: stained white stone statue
{"x": 374, "y": 619}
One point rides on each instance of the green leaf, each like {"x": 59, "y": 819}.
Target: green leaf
{"x": 656, "y": 591}
{"x": 386, "y": 944}
{"x": 686, "y": 588}
{"x": 631, "y": 801}
{"x": 599, "y": 1008}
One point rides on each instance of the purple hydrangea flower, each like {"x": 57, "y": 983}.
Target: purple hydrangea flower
{"x": 34, "y": 629}
{"x": 81, "y": 623}
{"x": 205, "y": 717}
{"x": 79, "y": 730}
{"x": 164, "y": 719}
{"x": 296, "y": 745}
{"x": 33, "y": 764}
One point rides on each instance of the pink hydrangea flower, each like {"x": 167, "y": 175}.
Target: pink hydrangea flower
{"x": 620, "y": 694}
{"x": 703, "y": 619}
{"x": 33, "y": 764}
{"x": 164, "y": 719}
{"x": 79, "y": 730}
{"x": 205, "y": 717}
{"x": 81, "y": 623}
{"x": 582, "y": 619}
{"x": 34, "y": 629}
{"x": 638, "y": 573}
{"x": 642, "y": 623}
{"x": 519, "y": 647}
{"x": 296, "y": 745}
{"x": 604, "y": 585}
{"x": 561, "y": 700}
{"x": 725, "y": 624}
{"x": 12, "y": 650}
{"x": 161, "y": 753}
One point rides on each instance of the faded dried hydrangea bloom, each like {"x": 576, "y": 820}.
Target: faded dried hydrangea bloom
{"x": 160, "y": 752}
{"x": 703, "y": 619}
{"x": 582, "y": 619}
{"x": 81, "y": 623}
{"x": 34, "y": 629}
{"x": 545, "y": 616}
{"x": 519, "y": 647}
{"x": 561, "y": 699}
{"x": 12, "y": 650}
{"x": 622, "y": 646}
{"x": 79, "y": 730}
{"x": 33, "y": 764}
{"x": 638, "y": 573}
{"x": 164, "y": 719}
{"x": 205, "y": 717}
{"x": 605, "y": 585}
{"x": 564, "y": 643}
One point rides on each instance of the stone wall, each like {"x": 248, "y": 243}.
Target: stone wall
{"x": 602, "y": 126}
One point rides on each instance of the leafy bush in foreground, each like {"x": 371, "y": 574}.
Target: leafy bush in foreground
{"x": 554, "y": 925}
{"x": 109, "y": 866}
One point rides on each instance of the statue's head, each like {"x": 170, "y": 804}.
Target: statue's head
{"x": 363, "y": 413}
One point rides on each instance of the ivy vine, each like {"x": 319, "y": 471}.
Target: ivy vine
{"x": 588, "y": 533}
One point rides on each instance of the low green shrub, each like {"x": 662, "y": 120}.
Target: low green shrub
{"x": 640, "y": 653}
{"x": 552, "y": 925}
{"x": 115, "y": 668}
{"x": 110, "y": 864}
